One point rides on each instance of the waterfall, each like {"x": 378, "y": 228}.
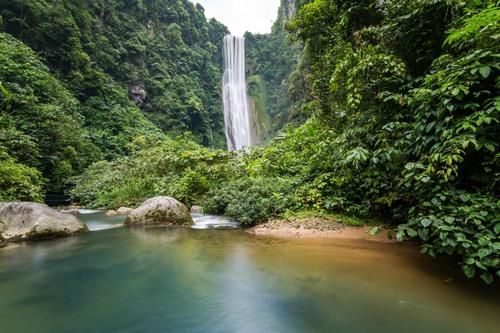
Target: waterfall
{"x": 237, "y": 115}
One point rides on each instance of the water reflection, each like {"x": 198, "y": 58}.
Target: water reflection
{"x": 184, "y": 280}
{"x": 97, "y": 220}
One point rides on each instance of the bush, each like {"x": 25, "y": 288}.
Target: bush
{"x": 459, "y": 223}
{"x": 19, "y": 182}
{"x": 249, "y": 200}
{"x": 178, "y": 168}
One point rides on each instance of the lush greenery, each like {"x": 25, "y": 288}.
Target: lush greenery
{"x": 404, "y": 125}
{"x": 410, "y": 91}
{"x": 80, "y": 80}
{"x": 163, "y": 53}
{"x": 179, "y": 168}
{"x": 398, "y": 105}
{"x": 274, "y": 62}
{"x": 42, "y": 128}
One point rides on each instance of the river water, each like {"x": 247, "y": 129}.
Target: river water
{"x": 189, "y": 280}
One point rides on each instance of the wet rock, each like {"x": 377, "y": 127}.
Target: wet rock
{"x": 69, "y": 209}
{"x": 160, "y": 211}
{"x": 124, "y": 211}
{"x": 31, "y": 221}
{"x": 111, "y": 213}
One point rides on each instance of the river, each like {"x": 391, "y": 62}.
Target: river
{"x": 198, "y": 280}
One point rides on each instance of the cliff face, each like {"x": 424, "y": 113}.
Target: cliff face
{"x": 161, "y": 56}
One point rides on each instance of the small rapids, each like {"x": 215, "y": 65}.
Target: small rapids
{"x": 88, "y": 211}
{"x": 213, "y": 222}
{"x": 97, "y": 221}
{"x": 98, "y": 226}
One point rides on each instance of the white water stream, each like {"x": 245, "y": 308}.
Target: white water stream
{"x": 237, "y": 114}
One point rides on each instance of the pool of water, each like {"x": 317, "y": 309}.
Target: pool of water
{"x": 97, "y": 220}
{"x": 189, "y": 280}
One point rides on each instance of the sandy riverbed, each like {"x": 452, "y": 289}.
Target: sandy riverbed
{"x": 319, "y": 228}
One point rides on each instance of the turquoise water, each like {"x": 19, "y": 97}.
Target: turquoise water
{"x": 185, "y": 280}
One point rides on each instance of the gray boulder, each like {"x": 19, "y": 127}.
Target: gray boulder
{"x": 160, "y": 211}
{"x": 31, "y": 221}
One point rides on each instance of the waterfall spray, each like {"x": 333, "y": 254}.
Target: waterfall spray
{"x": 236, "y": 108}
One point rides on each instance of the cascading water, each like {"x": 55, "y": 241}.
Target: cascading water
{"x": 237, "y": 114}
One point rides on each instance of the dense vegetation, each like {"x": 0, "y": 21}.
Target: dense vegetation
{"x": 404, "y": 125}
{"x": 409, "y": 91}
{"x": 80, "y": 80}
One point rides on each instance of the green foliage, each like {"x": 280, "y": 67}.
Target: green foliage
{"x": 476, "y": 27}
{"x": 161, "y": 54}
{"x": 178, "y": 168}
{"x": 257, "y": 94}
{"x": 459, "y": 223}
{"x": 410, "y": 119}
{"x": 104, "y": 74}
{"x": 41, "y": 125}
{"x": 18, "y": 181}
{"x": 336, "y": 217}
{"x": 249, "y": 200}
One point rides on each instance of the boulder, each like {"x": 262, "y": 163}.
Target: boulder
{"x": 31, "y": 221}
{"x": 124, "y": 211}
{"x": 111, "y": 213}
{"x": 69, "y": 209}
{"x": 196, "y": 210}
{"x": 160, "y": 211}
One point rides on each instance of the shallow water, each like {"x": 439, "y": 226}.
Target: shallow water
{"x": 97, "y": 220}
{"x": 186, "y": 280}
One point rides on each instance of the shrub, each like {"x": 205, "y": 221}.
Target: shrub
{"x": 250, "y": 200}
{"x": 19, "y": 182}
{"x": 459, "y": 223}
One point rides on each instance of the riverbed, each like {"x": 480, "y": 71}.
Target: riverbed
{"x": 117, "y": 279}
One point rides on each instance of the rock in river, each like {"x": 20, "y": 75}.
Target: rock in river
{"x": 111, "y": 213}
{"x": 124, "y": 211}
{"x": 160, "y": 211}
{"x": 31, "y": 221}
